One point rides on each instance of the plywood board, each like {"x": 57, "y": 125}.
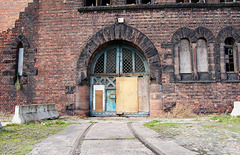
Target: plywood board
{"x": 140, "y": 94}
{"x": 98, "y": 101}
{"x": 127, "y": 95}
{"x": 98, "y": 98}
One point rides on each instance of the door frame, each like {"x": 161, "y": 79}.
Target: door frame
{"x": 102, "y": 79}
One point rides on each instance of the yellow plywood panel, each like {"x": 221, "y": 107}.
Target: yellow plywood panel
{"x": 140, "y": 94}
{"x": 127, "y": 94}
{"x": 98, "y": 101}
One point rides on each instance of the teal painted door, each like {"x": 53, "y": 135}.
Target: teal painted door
{"x": 111, "y": 100}
{"x": 112, "y": 62}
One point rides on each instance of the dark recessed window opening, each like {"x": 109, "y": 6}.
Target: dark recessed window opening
{"x": 106, "y": 2}
{"x": 131, "y": 2}
{"x": 229, "y": 54}
{"x": 195, "y": 1}
{"x": 90, "y": 2}
{"x": 222, "y": 1}
{"x": 180, "y": 1}
{"x": 19, "y": 61}
{"x": 146, "y": 1}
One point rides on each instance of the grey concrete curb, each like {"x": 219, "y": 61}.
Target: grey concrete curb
{"x": 62, "y": 143}
{"x": 161, "y": 146}
{"x": 1, "y": 126}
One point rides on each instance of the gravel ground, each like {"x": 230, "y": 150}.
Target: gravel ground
{"x": 205, "y": 136}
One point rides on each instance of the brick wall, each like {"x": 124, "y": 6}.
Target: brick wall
{"x": 9, "y": 12}
{"x": 59, "y": 33}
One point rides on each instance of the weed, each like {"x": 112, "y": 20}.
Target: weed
{"x": 155, "y": 124}
{"x": 181, "y": 111}
{"x": 20, "y": 138}
{"x": 59, "y": 122}
{"x": 226, "y": 119}
{"x": 112, "y": 139}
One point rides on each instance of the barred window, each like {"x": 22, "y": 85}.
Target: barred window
{"x": 121, "y": 59}
{"x": 229, "y": 55}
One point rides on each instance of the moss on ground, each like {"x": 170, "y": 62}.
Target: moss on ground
{"x": 20, "y": 138}
{"x": 155, "y": 124}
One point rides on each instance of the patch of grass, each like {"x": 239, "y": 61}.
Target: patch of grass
{"x": 226, "y": 119}
{"x": 112, "y": 139}
{"x": 20, "y": 138}
{"x": 155, "y": 124}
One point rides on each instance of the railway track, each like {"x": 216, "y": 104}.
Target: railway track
{"x": 112, "y": 138}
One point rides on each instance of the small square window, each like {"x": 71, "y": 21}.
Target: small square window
{"x": 180, "y": 1}
{"x": 131, "y": 2}
{"x": 106, "y": 2}
{"x": 90, "y": 3}
{"x": 146, "y": 1}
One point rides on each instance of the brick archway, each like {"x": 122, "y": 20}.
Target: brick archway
{"x": 119, "y": 32}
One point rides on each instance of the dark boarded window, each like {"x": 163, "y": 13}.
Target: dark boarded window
{"x": 91, "y": 3}
{"x": 106, "y": 2}
{"x": 180, "y": 1}
{"x": 229, "y": 54}
{"x": 185, "y": 56}
{"x": 131, "y": 2}
{"x": 222, "y": 1}
{"x": 146, "y": 1}
{"x": 202, "y": 57}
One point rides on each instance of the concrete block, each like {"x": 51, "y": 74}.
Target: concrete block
{"x": 34, "y": 112}
{"x": 236, "y": 109}
{"x": 0, "y": 126}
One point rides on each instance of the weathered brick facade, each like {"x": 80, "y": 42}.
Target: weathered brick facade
{"x": 61, "y": 37}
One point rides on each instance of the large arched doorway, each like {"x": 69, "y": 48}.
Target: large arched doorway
{"x": 119, "y": 82}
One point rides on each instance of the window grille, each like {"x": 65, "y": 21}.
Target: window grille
{"x": 119, "y": 60}
{"x": 229, "y": 55}
{"x": 99, "y": 67}
{"x": 127, "y": 61}
{"x": 111, "y": 61}
{"x": 139, "y": 66}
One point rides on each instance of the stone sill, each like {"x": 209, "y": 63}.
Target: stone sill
{"x": 209, "y": 81}
{"x": 206, "y": 81}
{"x": 159, "y": 6}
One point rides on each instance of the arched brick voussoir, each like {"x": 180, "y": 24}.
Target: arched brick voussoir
{"x": 18, "y": 39}
{"x": 180, "y": 34}
{"x": 228, "y": 32}
{"x": 119, "y": 32}
{"x": 202, "y": 32}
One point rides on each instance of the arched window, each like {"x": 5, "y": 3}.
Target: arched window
{"x": 185, "y": 56}
{"x": 20, "y": 52}
{"x": 229, "y": 55}
{"x": 119, "y": 60}
{"x": 202, "y": 57}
